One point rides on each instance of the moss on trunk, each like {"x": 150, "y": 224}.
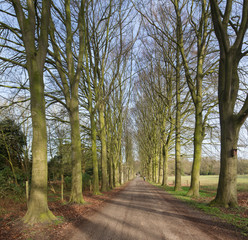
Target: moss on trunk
{"x": 37, "y": 206}
{"x": 103, "y": 148}
{"x": 195, "y": 173}
{"x": 76, "y": 154}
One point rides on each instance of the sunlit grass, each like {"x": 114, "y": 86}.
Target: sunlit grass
{"x": 210, "y": 182}
{"x": 208, "y": 187}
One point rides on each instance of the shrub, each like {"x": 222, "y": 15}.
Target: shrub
{"x": 87, "y": 179}
{"x": 67, "y": 180}
{"x": 8, "y": 188}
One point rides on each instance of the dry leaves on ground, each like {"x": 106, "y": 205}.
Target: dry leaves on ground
{"x": 69, "y": 216}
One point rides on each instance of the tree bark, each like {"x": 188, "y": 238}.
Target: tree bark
{"x": 69, "y": 82}
{"x": 160, "y": 165}
{"x": 103, "y": 148}
{"x": 230, "y": 127}
{"x": 227, "y": 187}
{"x": 178, "y": 122}
{"x": 195, "y": 174}
{"x": 165, "y": 165}
{"x": 109, "y": 148}
{"x": 37, "y": 206}
{"x": 111, "y": 177}
{"x": 150, "y": 168}
{"x": 228, "y": 87}
{"x": 195, "y": 85}
{"x": 121, "y": 181}
{"x": 36, "y": 51}
{"x": 94, "y": 155}
{"x": 76, "y": 153}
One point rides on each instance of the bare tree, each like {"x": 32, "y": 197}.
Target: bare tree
{"x": 33, "y": 19}
{"x": 68, "y": 63}
{"x": 230, "y": 26}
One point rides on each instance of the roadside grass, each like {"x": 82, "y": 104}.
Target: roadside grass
{"x": 207, "y": 180}
{"x": 208, "y": 186}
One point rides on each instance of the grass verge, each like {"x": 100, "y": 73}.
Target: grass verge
{"x": 235, "y": 216}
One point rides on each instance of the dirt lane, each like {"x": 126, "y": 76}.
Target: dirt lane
{"x": 142, "y": 211}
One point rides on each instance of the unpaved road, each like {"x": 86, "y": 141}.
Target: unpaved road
{"x": 142, "y": 211}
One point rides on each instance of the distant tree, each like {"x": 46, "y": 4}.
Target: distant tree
{"x": 186, "y": 167}
{"x": 242, "y": 166}
{"x": 209, "y": 166}
{"x": 61, "y": 163}
{"x": 128, "y": 142}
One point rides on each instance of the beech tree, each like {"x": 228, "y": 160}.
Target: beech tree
{"x": 178, "y": 168}
{"x": 97, "y": 31}
{"x": 154, "y": 115}
{"x": 230, "y": 28}
{"x": 68, "y": 63}
{"x": 161, "y": 26}
{"x": 201, "y": 36}
{"x": 145, "y": 136}
{"x": 117, "y": 129}
{"x": 35, "y": 42}
{"x": 128, "y": 146}
{"x": 106, "y": 56}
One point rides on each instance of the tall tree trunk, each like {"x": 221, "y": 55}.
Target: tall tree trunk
{"x": 111, "y": 177}
{"x": 121, "y": 180}
{"x": 178, "y": 122}
{"x": 153, "y": 168}
{"x": 230, "y": 127}
{"x": 228, "y": 87}
{"x": 114, "y": 173}
{"x": 155, "y": 156}
{"x": 36, "y": 51}
{"x": 195, "y": 173}
{"x": 195, "y": 85}
{"x": 116, "y": 169}
{"x": 120, "y": 130}
{"x": 94, "y": 155}
{"x": 157, "y": 165}
{"x": 150, "y": 168}
{"x": 37, "y": 206}
{"x": 109, "y": 148}
{"x": 165, "y": 165}
{"x": 70, "y": 78}
{"x": 76, "y": 154}
{"x": 160, "y": 165}
{"x": 178, "y": 156}
{"x": 227, "y": 187}
{"x": 103, "y": 148}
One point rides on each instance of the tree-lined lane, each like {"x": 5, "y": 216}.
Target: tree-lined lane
{"x": 142, "y": 211}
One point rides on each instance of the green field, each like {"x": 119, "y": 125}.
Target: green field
{"x": 236, "y": 216}
{"x": 208, "y": 180}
